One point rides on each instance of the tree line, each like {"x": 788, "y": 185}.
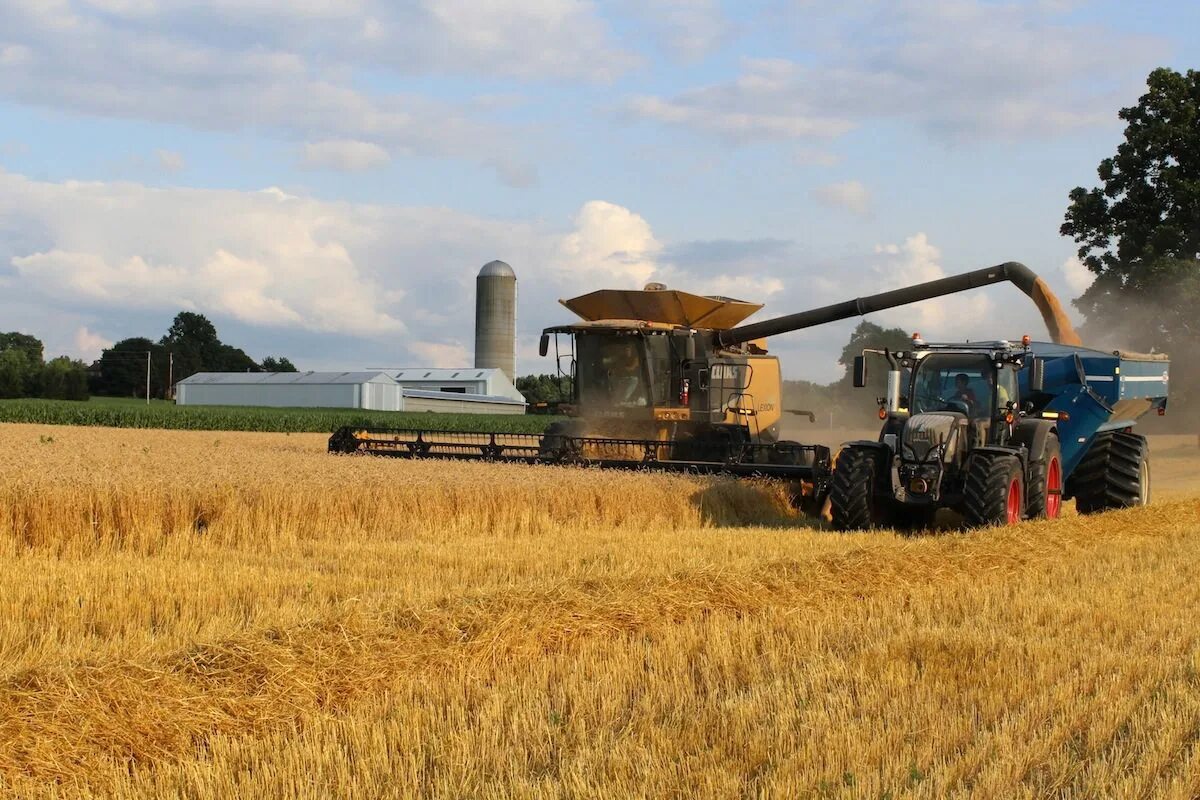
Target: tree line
{"x": 190, "y": 345}
{"x": 25, "y": 373}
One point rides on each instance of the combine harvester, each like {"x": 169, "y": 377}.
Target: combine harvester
{"x": 667, "y": 380}
{"x": 999, "y": 433}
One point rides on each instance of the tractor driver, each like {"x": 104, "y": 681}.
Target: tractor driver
{"x": 964, "y": 392}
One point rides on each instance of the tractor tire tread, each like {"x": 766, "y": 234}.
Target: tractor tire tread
{"x": 985, "y": 490}
{"x": 1109, "y": 477}
{"x": 851, "y": 489}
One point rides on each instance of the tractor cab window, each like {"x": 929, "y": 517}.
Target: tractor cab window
{"x": 963, "y": 382}
{"x": 612, "y": 370}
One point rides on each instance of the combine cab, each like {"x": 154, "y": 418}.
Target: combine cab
{"x": 1001, "y": 433}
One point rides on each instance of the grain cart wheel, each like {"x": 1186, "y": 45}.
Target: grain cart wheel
{"x": 854, "y": 505}
{"x": 1046, "y": 483}
{"x": 993, "y": 491}
{"x": 1115, "y": 473}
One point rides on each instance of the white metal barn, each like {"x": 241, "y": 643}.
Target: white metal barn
{"x": 376, "y": 391}
{"x": 469, "y": 390}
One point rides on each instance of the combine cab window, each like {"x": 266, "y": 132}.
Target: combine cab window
{"x": 961, "y": 382}
{"x": 611, "y": 371}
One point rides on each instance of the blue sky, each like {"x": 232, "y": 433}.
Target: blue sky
{"x": 323, "y": 178}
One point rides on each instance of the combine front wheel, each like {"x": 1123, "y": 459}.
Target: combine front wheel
{"x": 994, "y": 490}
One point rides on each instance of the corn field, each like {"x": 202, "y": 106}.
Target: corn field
{"x": 125, "y": 413}
{"x": 225, "y": 615}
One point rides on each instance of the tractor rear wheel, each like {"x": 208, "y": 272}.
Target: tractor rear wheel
{"x": 1046, "y": 483}
{"x": 852, "y": 499}
{"x": 994, "y": 490}
{"x": 1114, "y": 473}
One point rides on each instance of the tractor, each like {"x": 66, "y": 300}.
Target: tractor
{"x": 1000, "y": 432}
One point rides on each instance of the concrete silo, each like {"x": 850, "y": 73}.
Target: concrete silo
{"x": 496, "y": 317}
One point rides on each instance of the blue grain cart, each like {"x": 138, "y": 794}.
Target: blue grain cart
{"x": 1001, "y": 432}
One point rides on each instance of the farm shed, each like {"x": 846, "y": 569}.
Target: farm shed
{"x": 460, "y": 403}
{"x": 467, "y": 380}
{"x": 376, "y": 391}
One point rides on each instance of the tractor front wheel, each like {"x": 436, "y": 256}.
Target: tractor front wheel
{"x": 853, "y": 503}
{"x": 994, "y": 490}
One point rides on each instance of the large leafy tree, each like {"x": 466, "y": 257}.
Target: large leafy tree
{"x": 122, "y": 369}
{"x": 544, "y": 388}
{"x": 280, "y": 364}
{"x": 20, "y": 363}
{"x": 869, "y": 336}
{"x": 1139, "y": 232}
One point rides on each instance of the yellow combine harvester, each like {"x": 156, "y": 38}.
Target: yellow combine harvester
{"x": 671, "y": 380}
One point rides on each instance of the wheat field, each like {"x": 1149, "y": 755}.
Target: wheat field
{"x": 218, "y": 615}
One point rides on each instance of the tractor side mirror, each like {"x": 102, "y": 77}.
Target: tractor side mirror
{"x": 1037, "y": 376}
{"x": 860, "y": 372}
{"x": 544, "y": 345}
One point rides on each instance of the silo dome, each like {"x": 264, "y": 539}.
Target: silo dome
{"x": 497, "y": 269}
{"x": 496, "y": 318}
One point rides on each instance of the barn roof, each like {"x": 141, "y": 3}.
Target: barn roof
{"x": 433, "y": 374}
{"x": 285, "y": 378}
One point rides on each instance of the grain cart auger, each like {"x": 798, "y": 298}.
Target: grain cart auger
{"x": 667, "y": 380}
{"x": 1000, "y": 432}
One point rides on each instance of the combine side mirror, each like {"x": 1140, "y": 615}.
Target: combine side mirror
{"x": 860, "y": 372}
{"x": 1037, "y": 376}
{"x": 544, "y": 345}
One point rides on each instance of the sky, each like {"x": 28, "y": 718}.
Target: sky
{"x": 324, "y": 178}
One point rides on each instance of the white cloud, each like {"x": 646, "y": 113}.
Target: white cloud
{"x": 1078, "y": 277}
{"x": 611, "y": 242}
{"x": 960, "y": 69}
{"x": 347, "y": 155}
{"x": 851, "y": 196}
{"x": 294, "y": 70}
{"x": 441, "y": 354}
{"x": 89, "y": 344}
{"x": 262, "y": 258}
{"x": 399, "y": 279}
{"x": 169, "y": 160}
{"x": 949, "y": 318}
{"x": 13, "y": 54}
{"x": 689, "y": 29}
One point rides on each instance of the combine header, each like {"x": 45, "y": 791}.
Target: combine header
{"x": 665, "y": 379}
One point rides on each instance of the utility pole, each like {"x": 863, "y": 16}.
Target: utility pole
{"x": 170, "y": 376}
{"x": 148, "y": 377}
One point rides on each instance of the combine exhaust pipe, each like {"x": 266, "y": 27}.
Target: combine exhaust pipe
{"x": 1018, "y": 274}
